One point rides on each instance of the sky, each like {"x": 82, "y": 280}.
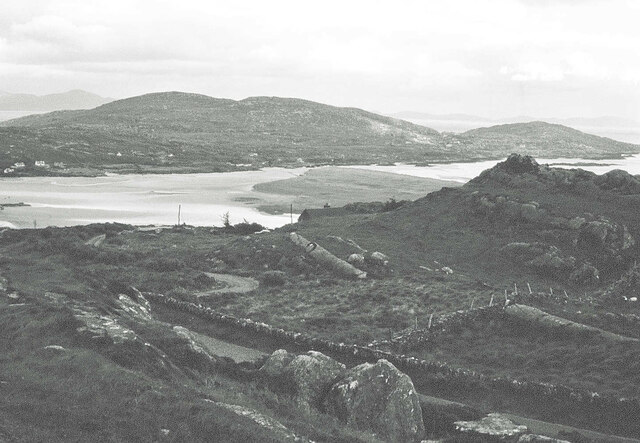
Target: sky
{"x": 498, "y": 58}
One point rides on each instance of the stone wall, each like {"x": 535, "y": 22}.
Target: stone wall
{"x": 605, "y": 409}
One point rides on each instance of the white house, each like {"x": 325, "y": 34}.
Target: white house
{"x": 9, "y": 170}
{"x": 40, "y": 164}
{"x": 19, "y": 165}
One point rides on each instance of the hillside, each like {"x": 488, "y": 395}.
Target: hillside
{"x": 514, "y": 293}
{"x": 76, "y": 99}
{"x": 179, "y": 132}
{"x": 541, "y": 139}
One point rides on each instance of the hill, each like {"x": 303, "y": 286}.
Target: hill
{"x": 180, "y": 132}
{"x": 75, "y": 99}
{"x": 541, "y": 139}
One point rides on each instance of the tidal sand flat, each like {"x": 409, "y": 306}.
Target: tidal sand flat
{"x": 136, "y": 199}
{"x": 339, "y": 186}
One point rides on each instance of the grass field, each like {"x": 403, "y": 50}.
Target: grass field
{"x": 339, "y": 186}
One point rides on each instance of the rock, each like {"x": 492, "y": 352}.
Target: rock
{"x": 607, "y": 235}
{"x": 379, "y": 398}
{"x": 356, "y": 259}
{"x": 446, "y": 270}
{"x": 585, "y": 275}
{"x": 493, "y": 426}
{"x": 519, "y": 164}
{"x": 279, "y": 431}
{"x": 553, "y": 264}
{"x": 276, "y": 363}
{"x": 313, "y": 374}
{"x": 535, "y": 438}
{"x": 379, "y": 258}
{"x": 308, "y": 375}
{"x": 96, "y": 241}
{"x": 137, "y": 311}
{"x": 194, "y": 344}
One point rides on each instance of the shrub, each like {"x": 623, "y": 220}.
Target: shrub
{"x": 274, "y": 278}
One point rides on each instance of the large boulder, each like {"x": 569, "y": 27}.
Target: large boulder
{"x": 276, "y": 363}
{"x": 493, "y": 427}
{"x": 307, "y": 376}
{"x": 379, "y": 398}
{"x": 313, "y": 374}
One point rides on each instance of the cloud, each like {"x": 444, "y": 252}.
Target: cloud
{"x": 380, "y": 54}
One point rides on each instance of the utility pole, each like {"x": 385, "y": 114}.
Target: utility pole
{"x": 179, "y": 208}
{"x": 291, "y": 212}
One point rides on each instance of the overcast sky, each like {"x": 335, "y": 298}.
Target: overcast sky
{"x": 546, "y": 58}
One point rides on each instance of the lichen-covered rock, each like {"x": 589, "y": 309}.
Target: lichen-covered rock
{"x": 553, "y": 263}
{"x": 605, "y": 235}
{"x": 379, "y": 398}
{"x": 133, "y": 309}
{"x": 308, "y": 376}
{"x": 378, "y": 258}
{"x": 276, "y": 363}
{"x": 356, "y": 259}
{"x": 313, "y": 374}
{"x": 493, "y": 426}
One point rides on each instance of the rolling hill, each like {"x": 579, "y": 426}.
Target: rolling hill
{"x": 180, "y": 132}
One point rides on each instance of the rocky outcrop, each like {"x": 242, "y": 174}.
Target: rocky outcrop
{"x": 380, "y": 398}
{"x": 326, "y": 258}
{"x": 544, "y": 259}
{"x": 519, "y": 164}
{"x": 603, "y": 235}
{"x": 280, "y": 431}
{"x": 493, "y": 427}
{"x": 309, "y": 375}
{"x": 619, "y": 181}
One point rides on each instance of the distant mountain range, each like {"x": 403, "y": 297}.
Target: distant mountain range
{"x": 181, "y": 132}
{"x": 76, "y": 99}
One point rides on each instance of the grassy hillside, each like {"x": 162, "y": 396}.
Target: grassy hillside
{"x": 180, "y": 132}
{"x": 541, "y": 139}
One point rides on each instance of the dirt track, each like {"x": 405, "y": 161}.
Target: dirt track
{"x": 233, "y": 284}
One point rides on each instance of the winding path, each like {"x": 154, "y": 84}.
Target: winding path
{"x": 233, "y": 284}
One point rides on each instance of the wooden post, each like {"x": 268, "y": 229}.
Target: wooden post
{"x": 491, "y": 301}
{"x": 529, "y": 286}
{"x": 505, "y": 297}
{"x": 515, "y": 289}
{"x": 179, "y": 208}
{"x": 430, "y": 319}
{"x": 472, "y": 300}
{"x": 416, "y": 322}
{"x": 550, "y": 291}
{"x": 291, "y": 212}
